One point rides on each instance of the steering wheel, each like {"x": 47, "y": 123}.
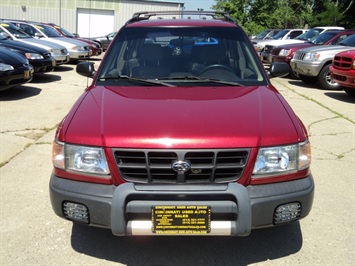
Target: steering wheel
{"x": 216, "y": 66}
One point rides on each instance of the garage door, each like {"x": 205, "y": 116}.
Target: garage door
{"x": 94, "y": 23}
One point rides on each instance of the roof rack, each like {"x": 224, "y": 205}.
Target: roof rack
{"x": 145, "y": 15}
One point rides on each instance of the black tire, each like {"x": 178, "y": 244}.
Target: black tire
{"x": 308, "y": 79}
{"x": 350, "y": 92}
{"x": 325, "y": 80}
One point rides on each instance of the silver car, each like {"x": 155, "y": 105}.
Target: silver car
{"x": 59, "y": 52}
{"x": 77, "y": 49}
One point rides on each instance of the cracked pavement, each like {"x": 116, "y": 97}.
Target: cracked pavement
{"x": 31, "y": 234}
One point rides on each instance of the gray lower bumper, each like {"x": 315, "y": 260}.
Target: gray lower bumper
{"x": 236, "y": 209}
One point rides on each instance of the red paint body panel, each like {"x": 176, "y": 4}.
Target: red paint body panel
{"x": 343, "y": 69}
{"x": 183, "y": 117}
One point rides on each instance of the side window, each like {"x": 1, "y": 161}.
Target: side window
{"x": 339, "y": 39}
{"x": 294, "y": 34}
{"x": 27, "y": 29}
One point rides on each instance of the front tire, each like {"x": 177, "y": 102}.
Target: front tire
{"x": 325, "y": 79}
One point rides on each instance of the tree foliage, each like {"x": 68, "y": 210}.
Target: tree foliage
{"x": 257, "y": 15}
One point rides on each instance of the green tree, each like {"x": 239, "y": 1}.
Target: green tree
{"x": 257, "y": 15}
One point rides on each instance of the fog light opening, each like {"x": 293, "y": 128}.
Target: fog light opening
{"x": 287, "y": 213}
{"x": 76, "y": 212}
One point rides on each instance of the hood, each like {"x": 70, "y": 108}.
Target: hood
{"x": 42, "y": 43}
{"x": 327, "y": 48}
{"x": 180, "y": 117}
{"x": 66, "y": 42}
{"x": 12, "y": 58}
{"x": 22, "y": 47}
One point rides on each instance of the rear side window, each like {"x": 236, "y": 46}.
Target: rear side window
{"x": 163, "y": 53}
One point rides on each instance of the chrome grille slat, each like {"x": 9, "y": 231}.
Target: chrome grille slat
{"x": 155, "y": 166}
{"x": 299, "y": 55}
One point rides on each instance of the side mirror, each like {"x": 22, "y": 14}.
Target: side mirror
{"x": 38, "y": 35}
{"x": 278, "y": 69}
{"x": 86, "y": 69}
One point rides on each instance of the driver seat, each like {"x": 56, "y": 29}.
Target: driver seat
{"x": 208, "y": 55}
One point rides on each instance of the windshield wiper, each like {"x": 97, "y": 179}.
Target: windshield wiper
{"x": 202, "y": 79}
{"x": 154, "y": 82}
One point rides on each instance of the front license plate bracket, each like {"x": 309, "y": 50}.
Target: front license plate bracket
{"x": 181, "y": 220}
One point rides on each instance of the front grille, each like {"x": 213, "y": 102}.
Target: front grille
{"x": 343, "y": 62}
{"x": 299, "y": 55}
{"x": 155, "y": 166}
{"x": 339, "y": 77}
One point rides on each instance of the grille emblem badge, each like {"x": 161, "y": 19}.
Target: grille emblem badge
{"x": 181, "y": 166}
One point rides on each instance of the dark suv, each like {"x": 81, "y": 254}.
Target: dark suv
{"x": 181, "y": 133}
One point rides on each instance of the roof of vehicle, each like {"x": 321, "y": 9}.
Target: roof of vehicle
{"x": 337, "y": 33}
{"x": 179, "y": 18}
{"x": 329, "y": 27}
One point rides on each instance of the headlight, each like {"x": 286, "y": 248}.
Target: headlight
{"x": 78, "y": 48}
{"x": 33, "y": 56}
{"x": 284, "y": 52}
{"x": 258, "y": 48}
{"x": 311, "y": 56}
{"x": 282, "y": 159}
{"x": 55, "y": 51}
{"x": 80, "y": 158}
{"x": 6, "y": 67}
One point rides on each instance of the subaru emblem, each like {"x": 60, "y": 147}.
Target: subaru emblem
{"x": 181, "y": 166}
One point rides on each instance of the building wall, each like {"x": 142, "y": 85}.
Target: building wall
{"x": 64, "y": 12}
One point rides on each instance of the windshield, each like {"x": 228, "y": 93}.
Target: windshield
{"x": 15, "y": 31}
{"x": 280, "y": 35}
{"x": 47, "y": 30}
{"x": 261, "y": 35}
{"x": 324, "y": 37}
{"x": 350, "y": 41}
{"x": 182, "y": 55}
{"x": 310, "y": 35}
{"x": 64, "y": 31}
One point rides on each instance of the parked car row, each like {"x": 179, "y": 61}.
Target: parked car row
{"x": 39, "y": 47}
{"x": 312, "y": 64}
{"x": 312, "y": 54}
{"x": 282, "y": 36}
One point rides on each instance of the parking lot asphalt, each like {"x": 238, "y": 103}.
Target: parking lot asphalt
{"x": 31, "y": 234}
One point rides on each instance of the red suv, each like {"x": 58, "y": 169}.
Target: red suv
{"x": 284, "y": 53}
{"x": 181, "y": 133}
{"x": 343, "y": 71}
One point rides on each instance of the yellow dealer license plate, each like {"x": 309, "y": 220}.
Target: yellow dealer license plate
{"x": 181, "y": 220}
{"x": 26, "y": 74}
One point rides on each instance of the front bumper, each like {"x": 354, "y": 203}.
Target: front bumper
{"x": 61, "y": 59}
{"x": 236, "y": 209}
{"x": 79, "y": 54}
{"x": 16, "y": 77}
{"x": 43, "y": 65}
{"x": 306, "y": 68}
{"x": 345, "y": 78}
